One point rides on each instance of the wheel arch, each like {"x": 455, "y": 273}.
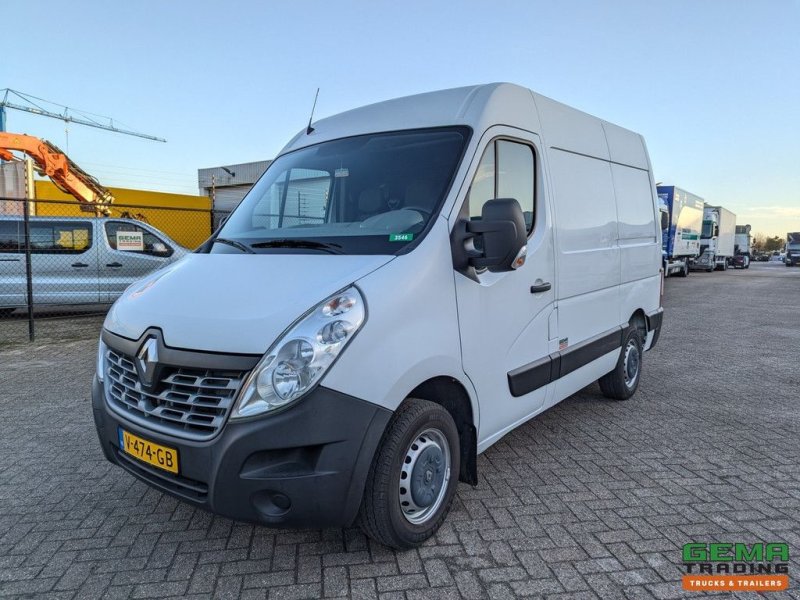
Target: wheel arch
{"x": 451, "y": 394}
{"x": 638, "y": 319}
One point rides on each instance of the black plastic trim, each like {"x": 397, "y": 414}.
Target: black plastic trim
{"x": 593, "y": 348}
{"x": 656, "y": 335}
{"x": 530, "y": 377}
{"x": 178, "y": 357}
{"x": 304, "y": 467}
{"x": 539, "y": 373}
{"x": 655, "y": 319}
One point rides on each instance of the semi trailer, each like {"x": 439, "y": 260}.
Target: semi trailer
{"x": 680, "y": 229}
{"x": 741, "y": 247}
{"x": 717, "y": 239}
{"x": 792, "y": 249}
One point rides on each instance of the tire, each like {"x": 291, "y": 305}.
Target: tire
{"x": 685, "y": 270}
{"x": 4, "y": 312}
{"x": 623, "y": 381}
{"x": 421, "y": 446}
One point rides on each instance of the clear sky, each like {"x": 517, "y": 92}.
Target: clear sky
{"x": 713, "y": 85}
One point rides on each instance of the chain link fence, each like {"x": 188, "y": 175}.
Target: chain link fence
{"x": 62, "y": 267}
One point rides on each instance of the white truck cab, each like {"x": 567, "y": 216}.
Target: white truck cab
{"x": 408, "y": 282}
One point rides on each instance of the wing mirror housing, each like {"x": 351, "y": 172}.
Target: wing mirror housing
{"x": 496, "y": 242}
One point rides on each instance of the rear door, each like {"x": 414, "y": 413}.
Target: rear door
{"x": 505, "y": 318}
{"x": 63, "y": 261}
{"x": 13, "y": 291}
{"x": 130, "y": 251}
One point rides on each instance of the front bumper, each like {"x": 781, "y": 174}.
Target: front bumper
{"x": 303, "y": 467}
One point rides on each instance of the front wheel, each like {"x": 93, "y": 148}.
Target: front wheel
{"x": 623, "y": 381}
{"x": 413, "y": 477}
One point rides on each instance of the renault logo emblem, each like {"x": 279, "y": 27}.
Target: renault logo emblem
{"x": 147, "y": 361}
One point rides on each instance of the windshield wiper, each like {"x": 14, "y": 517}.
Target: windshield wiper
{"x": 234, "y": 243}
{"x": 294, "y": 243}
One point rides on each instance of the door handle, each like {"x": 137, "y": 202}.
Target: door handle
{"x": 79, "y": 265}
{"x": 114, "y": 265}
{"x": 541, "y": 287}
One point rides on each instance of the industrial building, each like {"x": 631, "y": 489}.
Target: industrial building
{"x": 227, "y": 185}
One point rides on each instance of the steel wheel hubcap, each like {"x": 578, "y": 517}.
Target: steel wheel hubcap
{"x": 631, "y": 363}
{"x": 424, "y": 476}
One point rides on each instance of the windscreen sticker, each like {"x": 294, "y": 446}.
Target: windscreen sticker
{"x": 341, "y": 172}
{"x": 401, "y": 237}
{"x": 130, "y": 241}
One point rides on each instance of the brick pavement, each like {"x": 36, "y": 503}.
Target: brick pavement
{"x": 592, "y": 499}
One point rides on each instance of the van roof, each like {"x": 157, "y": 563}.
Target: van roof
{"x": 480, "y": 107}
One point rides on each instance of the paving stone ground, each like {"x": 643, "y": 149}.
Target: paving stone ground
{"x": 593, "y": 499}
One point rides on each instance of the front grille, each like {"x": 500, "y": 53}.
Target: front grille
{"x": 185, "y": 402}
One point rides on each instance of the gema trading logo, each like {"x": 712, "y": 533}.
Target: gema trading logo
{"x": 736, "y": 567}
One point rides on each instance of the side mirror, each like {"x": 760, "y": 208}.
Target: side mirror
{"x": 496, "y": 242}
{"x": 664, "y": 220}
{"x": 716, "y": 230}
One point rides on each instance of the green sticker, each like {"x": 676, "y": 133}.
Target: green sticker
{"x": 401, "y": 237}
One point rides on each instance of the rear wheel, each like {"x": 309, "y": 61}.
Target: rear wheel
{"x": 685, "y": 270}
{"x": 623, "y": 381}
{"x": 413, "y": 477}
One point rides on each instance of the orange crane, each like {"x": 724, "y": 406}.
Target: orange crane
{"x": 66, "y": 175}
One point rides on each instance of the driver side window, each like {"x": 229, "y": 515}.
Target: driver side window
{"x": 507, "y": 170}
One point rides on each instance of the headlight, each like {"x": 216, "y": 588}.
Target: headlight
{"x": 101, "y": 359}
{"x": 302, "y": 355}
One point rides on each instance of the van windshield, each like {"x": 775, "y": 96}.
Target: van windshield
{"x": 369, "y": 194}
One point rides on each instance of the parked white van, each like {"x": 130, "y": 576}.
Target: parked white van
{"x": 407, "y": 283}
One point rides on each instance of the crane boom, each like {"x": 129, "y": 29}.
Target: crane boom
{"x": 32, "y": 107}
{"x": 67, "y": 175}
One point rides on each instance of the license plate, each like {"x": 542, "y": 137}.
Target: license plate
{"x": 154, "y": 454}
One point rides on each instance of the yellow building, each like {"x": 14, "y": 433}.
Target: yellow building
{"x": 184, "y": 218}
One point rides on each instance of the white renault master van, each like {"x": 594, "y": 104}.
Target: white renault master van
{"x": 406, "y": 283}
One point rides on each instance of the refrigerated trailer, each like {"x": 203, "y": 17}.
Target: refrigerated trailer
{"x": 717, "y": 239}
{"x": 680, "y": 235}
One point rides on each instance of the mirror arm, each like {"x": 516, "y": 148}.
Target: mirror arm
{"x": 461, "y": 254}
{"x": 506, "y": 228}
